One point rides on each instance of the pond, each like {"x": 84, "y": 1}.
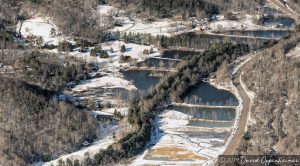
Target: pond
{"x": 286, "y": 22}
{"x": 204, "y": 93}
{"x": 216, "y": 114}
{"x": 157, "y": 62}
{"x": 142, "y": 79}
{"x": 270, "y": 11}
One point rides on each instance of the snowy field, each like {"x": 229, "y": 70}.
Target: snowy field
{"x": 80, "y": 155}
{"x": 106, "y": 10}
{"x": 166, "y": 27}
{"x": 221, "y": 24}
{"x": 104, "y": 82}
{"x": 135, "y": 51}
{"x": 40, "y": 27}
{"x": 176, "y": 143}
{"x": 129, "y": 23}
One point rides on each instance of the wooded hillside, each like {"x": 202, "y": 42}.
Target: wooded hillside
{"x": 34, "y": 127}
{"x": 274, "y": 77}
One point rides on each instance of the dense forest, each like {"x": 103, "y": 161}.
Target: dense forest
{"x": 35, "y": 127}
{"x": 46, "y": 69}
{"x": 189, "y": 40}
{"x": 6, "y": 39}
{"x": 191, "y": 8}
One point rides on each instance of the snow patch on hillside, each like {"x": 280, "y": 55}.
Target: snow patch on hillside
{"x": 105, "y": 9}
{"x": 294, "y": 52}
{"x": 80, "y": 155}
{"x": 105, "y": 82}
{"x": 245, "y": 24}
{"x": 40, "y": 27}
{"x": 110, "y": 111}
{"x": 166, "y": 27}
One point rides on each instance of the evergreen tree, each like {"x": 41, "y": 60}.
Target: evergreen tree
{"x": 123, "y": 48}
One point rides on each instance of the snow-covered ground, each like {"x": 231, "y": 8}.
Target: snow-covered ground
{"x": 106, "y": 9}
{"x": 105, "y": 82}
{"x": 80, "y": 155}
{"x": 40, "y": 27}
{"x": 251, "y": 96}
{"x": 294, "y": 52}
{"x": 166, "y": 27}
{"x": 176, "y": 143}
{"x": 135, "y": 51}
{"x": 245, "y": 24}
{"x": 110, "y": 111}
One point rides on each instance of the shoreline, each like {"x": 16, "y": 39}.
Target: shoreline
{"x": 232, "y": 89}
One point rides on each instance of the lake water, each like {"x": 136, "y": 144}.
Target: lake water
{"x": 204, "y": 93}
{"x": 141, "y": 79}
{"x": 217, "y": 114}
{"x": 156, "y": 62}
{"x": 286, "y": 22}
{"x": 270, "y": 11}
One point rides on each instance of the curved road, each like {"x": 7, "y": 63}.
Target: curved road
{"x": 244, "y": 113}
{"x": 285, "y": 9}
{"x": 246, "y": 100}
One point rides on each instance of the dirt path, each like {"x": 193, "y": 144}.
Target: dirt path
{"x": 244, "y": 113}
{"x": 285, "y": 9}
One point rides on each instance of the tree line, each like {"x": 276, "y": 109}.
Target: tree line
{"x": 47, "y": 69}
{"x": 189, "y": 40}
{"x": 190, "y": 8}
